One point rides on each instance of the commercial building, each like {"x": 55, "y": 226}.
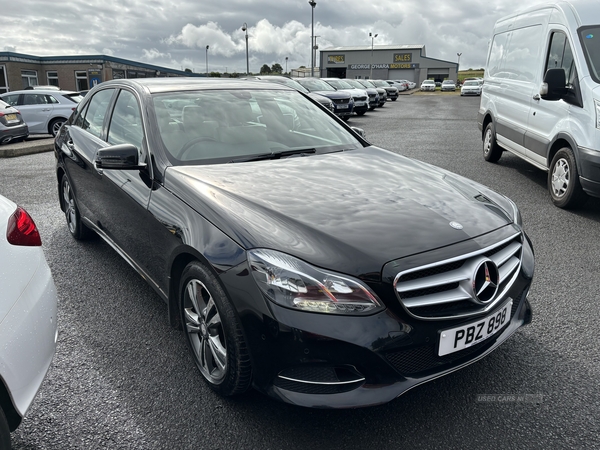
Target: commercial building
{"x": 73, "y": 73}
{"x": 385, "y": 62}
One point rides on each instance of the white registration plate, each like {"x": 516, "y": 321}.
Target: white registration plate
{"x": 342, "y": 106}
{"x": 459, "y": 338}
{"x": 11, "y": 117}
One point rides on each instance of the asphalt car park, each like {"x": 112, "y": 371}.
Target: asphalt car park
{"x": 117, "y": 380}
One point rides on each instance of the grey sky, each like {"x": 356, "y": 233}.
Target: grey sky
{"x": 175, "y": 33}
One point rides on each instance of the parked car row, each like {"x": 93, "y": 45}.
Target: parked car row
{"x": 42, "y": 110}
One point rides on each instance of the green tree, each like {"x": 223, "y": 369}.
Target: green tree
{"x": 188, "y": 70}
{"x": 265, "y": 69}
{"x": 276, "y": 68}
{"x": 215, "y": 74}
{"x": 234, "y": 75}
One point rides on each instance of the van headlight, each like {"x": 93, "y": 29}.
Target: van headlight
{"x": 295, "y": 284}
{"x": 597, "y": 103}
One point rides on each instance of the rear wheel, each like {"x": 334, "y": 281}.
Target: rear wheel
{"x": 55, "y": 125}
{"x": 491, "y": 150}
{"x": 563, "y": 180}
{"x": 213, "y": 332}
{"x": 78, "y": 230}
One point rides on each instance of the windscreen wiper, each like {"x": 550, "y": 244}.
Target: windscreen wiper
{"x": 276, "y": 155}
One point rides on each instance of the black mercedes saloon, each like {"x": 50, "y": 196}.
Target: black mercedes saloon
{"x": 296, "y": 257}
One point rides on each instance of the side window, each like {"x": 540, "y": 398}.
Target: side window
{"x": 34, "y": 99}
{"x": 497, "y": 52}
{"x": 560, "y": 55}
{"x": 50, "y": 99}
{"x": 126, "y": 122}
{"x": 80, "y": 120}
{"x": 12, "y": 100}
{"x": 96, "y": 111}
{"x": 523, "y": 53}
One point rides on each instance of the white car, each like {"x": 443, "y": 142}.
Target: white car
{"x": 28, "y": 307}
{"x": 44, "y": 110}
{"x": 471, "y": 87}
{"x": 428, "y": 85}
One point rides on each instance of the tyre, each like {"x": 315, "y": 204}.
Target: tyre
{"x": 78, "y": 230}
{"x": 213, "y": 331}
{"x": 491, "y": 150}
{"x": 563, "y": 180}
{"x": 55, "y": 125}
{"x": 4, "y": 432}
{"x": 362, "y": 113}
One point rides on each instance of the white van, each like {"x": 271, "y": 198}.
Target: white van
{"x": 541, "y": 96}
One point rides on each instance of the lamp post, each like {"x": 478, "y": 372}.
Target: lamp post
{"x": 458, "y": 64}
{"x": 312, "y": 3}
{"x": 245, "y": 28}
{"x": 207, "y": 61}
{"x": 286, "y": 59}
{"x": 372, "y": 36}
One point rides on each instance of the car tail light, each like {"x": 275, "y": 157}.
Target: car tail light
{"x": 21, "y": 229}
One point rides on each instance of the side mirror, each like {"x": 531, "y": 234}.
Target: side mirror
{"x": 119, "y": 157}
{"x": 554, "y": 86}
{"x": 360, "y": 132}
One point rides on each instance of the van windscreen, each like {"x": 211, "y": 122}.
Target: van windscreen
{"x": 590, "y": 41}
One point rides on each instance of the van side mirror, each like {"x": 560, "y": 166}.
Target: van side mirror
{"x": 555, "y": 85}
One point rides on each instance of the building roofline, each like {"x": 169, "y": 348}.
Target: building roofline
{"x": 97, "y": 59}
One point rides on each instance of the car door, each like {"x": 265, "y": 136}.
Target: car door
{"x": 82, "y": 140}
{"x": 123, "y": 198}
{"x": 36, "y": 110}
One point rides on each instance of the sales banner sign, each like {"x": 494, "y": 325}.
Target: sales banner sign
{"x": 336, "y": 59}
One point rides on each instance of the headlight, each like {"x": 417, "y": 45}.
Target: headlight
{"x": 292, "y": 283}
{"x": 597, "y": 103}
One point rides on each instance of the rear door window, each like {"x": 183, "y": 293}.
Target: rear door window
{"x": 96, "y": 112}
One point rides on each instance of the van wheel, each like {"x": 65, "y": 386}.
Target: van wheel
{"x": 491, "y": 150}
{"x": 563, "y": 180}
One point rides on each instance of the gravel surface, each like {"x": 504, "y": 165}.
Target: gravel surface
{"x": 122, "y": 378}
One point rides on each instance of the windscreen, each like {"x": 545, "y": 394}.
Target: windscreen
{"x": 216, "y": 126}
{"x": 590, "y": 41}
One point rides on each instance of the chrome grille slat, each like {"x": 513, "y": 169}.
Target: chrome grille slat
{"x": 453, "y": 276}
{"x": 506, "y": 253}
{"x": 508, "y": 268}
{"x": 443, "y": 290}
{"x": 439, "y": 298}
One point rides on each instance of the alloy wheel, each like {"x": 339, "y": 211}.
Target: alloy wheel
{"x": 69, "y": 202}
{"x": 205, "y": 331}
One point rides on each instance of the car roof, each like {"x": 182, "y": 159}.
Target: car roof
{"x": 40, "y": 91}
{"x": 160, "y": 85}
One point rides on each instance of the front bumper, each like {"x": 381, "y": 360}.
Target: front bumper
{"x": 589, "y": 170}
{"x": 333, "y": 361}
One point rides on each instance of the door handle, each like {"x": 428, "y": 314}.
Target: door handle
{"x": 537, "y": 97}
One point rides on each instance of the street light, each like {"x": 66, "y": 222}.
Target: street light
{"x": 245, "y": 28}
{"x": 286, "y": 59}
{"x": 458, "y": 64}
{"x": 372, "y": 39}
{"x": 207, "y": 60}
{"x": 312, "y": 3}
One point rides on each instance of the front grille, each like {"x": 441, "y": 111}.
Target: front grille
{"x": 360, "y": 99}
{"x": 445, "y": 289}
{"x": 341, "y": 101}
